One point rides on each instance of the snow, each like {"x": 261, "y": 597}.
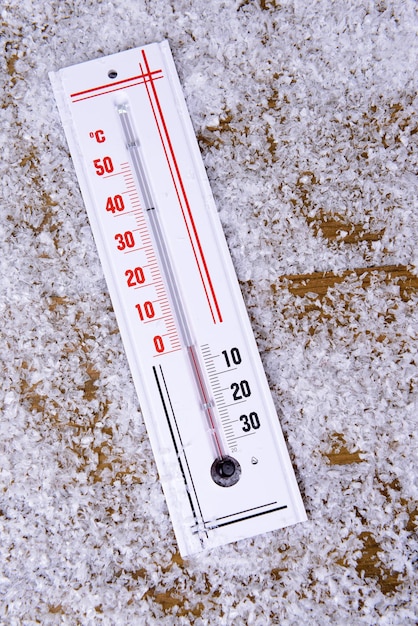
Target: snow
{"x": 304, "y": 112}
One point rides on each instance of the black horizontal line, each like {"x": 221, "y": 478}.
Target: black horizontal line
{"x": 230, "y": 369}
{"x": 243, "y": 519}
{"x": 234, "y": 403}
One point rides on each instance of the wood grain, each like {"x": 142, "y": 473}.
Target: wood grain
{"x": 370, "y": 564}
{"x": 320, "y": 282}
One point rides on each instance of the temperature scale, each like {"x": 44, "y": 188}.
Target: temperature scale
{"x": 216, "y": 438}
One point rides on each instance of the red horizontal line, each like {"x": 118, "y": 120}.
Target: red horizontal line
{"x": 115, "y": 174}
{"x": 144, "y": 285}
{"x": 125, "y": 213}
{"x": 118, "y": 82}
{"x": 154, "y": 319}
{"x": 134, "y": 250}
{"x": 102, "y": 93}
{"x": 167, "y": 352}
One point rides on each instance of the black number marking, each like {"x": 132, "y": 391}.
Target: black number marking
{"x": 250, "y": 422}
{"x": 234, "y": 356}
{"x": 241, "y": 390}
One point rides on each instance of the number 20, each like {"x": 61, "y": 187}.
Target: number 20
{"x": 241, "y": 390}
{"x": 135, "y": 277}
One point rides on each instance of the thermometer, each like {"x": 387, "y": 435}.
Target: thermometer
{"x": 218, "y": 445}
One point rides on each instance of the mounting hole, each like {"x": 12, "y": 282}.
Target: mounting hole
{"x": 225, "y": 471}
{"x": 112, "y": 74}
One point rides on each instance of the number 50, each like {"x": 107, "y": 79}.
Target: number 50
{"x": 103, "y": 166}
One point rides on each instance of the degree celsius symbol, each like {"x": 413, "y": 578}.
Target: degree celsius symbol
{"x": 98, "y": 135}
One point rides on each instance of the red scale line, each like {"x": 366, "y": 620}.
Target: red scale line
{"x": 124, "y": 213}
{"x": 112, "y": 175}
{"x": 168, "y": 352}
{"x": 133, "y": 250}
{"x": 144, "y": 285}
{"x": 158, "y": 282}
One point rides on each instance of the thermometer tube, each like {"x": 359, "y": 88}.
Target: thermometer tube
{"x": 225, "y": 470}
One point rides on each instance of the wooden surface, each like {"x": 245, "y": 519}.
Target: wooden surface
{"x": 312, "y": 289}
{"x": 369, "y": 563}
{"x": 351, "y": 68}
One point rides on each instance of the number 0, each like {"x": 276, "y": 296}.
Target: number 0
{"x": 159, "y": 344}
